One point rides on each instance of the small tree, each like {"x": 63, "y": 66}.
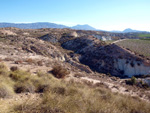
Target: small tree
{"x": 133, "y": 80}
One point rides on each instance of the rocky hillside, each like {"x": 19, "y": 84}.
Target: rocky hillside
{"x": 80, "y": 48}
{"x": 82, "y": 66}
{"x": 100, "y": 56}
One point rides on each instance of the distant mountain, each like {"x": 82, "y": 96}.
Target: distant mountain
{"x": 128, "y": 30}
{"x": 37, "y": 25}
{"x": 83, "y": 27}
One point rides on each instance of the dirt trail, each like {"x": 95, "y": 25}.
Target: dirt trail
{"x": 118, "y": 41}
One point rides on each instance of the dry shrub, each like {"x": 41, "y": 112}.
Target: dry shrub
{"x": 5, "y": 90}
{"x": 20, "y": 75}
{"x": 43, "y": 88}
{"x": 24, "y": 87}
{"x": 14, "y": 68}
{"x": 3, "y": 70}
{"x": 59, "y": 71}
{"x": 40, "y": 63}
{"x": 59, "y": 90}
{"x": 30, "y": 61}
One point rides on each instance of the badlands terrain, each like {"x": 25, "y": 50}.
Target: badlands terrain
{"x": 71, "y": 71}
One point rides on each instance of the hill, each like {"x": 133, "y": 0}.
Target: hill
{"x": 83, "y": 27}
{"x": 64, "y": 70}
{"x": 39, "y": 25}
{"x": 128, "y": 30}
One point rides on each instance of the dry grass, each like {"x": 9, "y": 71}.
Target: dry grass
{"x": 60, "y": 96}
{"x": 3, "y": 70}
{"x": 5, "y": 90}
{"x": 78, "y": 98}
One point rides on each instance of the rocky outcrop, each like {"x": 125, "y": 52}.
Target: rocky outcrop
{"x": 132, "y": 67}
{"x": 107, "y": 58}
{"x": 89, "y": 50}
{"x": 103, "y": 38}
{"x": 50, "y": 38}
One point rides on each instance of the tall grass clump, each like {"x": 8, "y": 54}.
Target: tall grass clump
{"x": 5, "y": 90}
{"x": 3, "y": 70}
{"x": 79, "y": 98}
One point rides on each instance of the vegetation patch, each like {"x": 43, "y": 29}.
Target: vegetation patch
{"x": 139, "y": 46}
{"x": 5, "y": 90}
{"x": 144, "y": 35}
{"x": 59, "y": 96}
{"x": 59, "y": 71}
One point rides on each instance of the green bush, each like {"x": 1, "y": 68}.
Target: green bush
{"x": 132, "y": 81}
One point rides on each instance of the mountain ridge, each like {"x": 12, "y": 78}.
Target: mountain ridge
{"x": 38, "y": 25}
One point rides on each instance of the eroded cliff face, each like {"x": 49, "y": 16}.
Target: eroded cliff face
{"x": 107, "y": 58}
{"x": 130, "y": 68}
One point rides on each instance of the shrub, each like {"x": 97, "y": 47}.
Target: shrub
{"x": 43, "y": 88}
{"x": 30, "y": 61}
{"x": 59, "y": 71}
{"x": 5, "y": 90}
{"x": 59, "y": 90}
{"x": 40, "y": 63}
{"x": 20, "y": 75}
{"x": 132, "y": 81}
{"x": 3, "y": 70}
{"x": 14, "y": 68}
{"x": 24, "y": 87}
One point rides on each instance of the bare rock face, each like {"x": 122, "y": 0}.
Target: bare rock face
{"x": 50, "y": 38}
{"x": 72, "y": 34}
{"x": 107, "y": 58}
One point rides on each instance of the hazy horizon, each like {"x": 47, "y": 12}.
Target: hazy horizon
{"x": 100, "y": 14}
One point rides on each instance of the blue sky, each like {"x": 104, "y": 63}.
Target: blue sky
{"x": 101, "y": 14}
